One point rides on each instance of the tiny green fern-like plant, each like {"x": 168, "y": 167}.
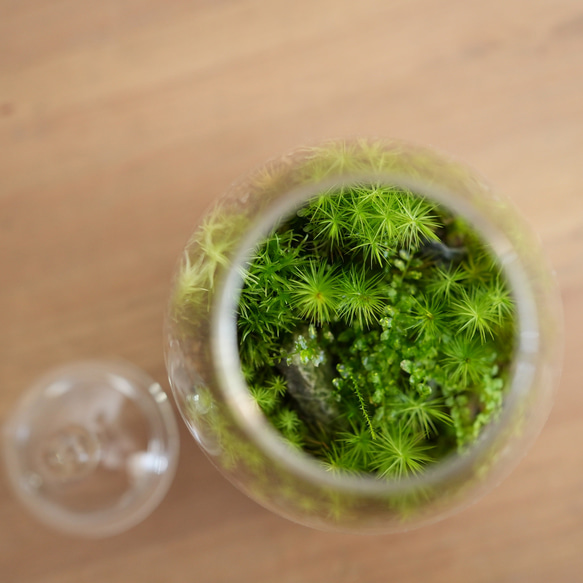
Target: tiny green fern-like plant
{"x": 376, "y": 330}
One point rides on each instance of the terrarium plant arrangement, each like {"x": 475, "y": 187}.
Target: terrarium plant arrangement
{"x": 376, "y": 330}
{"x": 360, "y": 335}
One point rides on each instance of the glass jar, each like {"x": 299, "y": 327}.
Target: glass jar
{"x": 202, "y": 353}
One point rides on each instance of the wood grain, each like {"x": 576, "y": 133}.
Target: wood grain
{"x": 120, "y": 121}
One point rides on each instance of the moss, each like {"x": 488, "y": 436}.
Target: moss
{"x": 405, "y": 305}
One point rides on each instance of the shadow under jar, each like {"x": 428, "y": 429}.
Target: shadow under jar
{"x": 363, "y": 337}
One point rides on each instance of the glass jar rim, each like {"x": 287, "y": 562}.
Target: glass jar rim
{"x": 522, "y": 272}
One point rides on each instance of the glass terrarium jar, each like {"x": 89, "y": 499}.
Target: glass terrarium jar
{"x": 211, "y": 388}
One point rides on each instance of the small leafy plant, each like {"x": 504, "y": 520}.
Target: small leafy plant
{"x": 376, "y": 331}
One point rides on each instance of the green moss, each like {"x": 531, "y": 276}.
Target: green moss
{"x": 393, "y": 315}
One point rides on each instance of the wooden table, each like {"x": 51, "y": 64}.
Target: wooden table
{"x": 121, "y": 120}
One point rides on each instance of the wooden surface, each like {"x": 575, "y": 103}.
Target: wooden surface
{"x": 120, "y": 120}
